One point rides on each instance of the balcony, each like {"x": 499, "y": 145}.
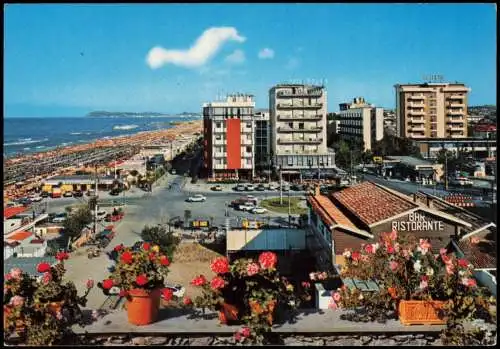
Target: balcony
{"x": 417, "y": 121}
{"x": 306, "y": 117}
{"x": 416, "y": 105}
{"x": 416, "y": 112}
{"x": 219, "y": 142}
{"x": 246, "y": 155}
{"x": 300, "y": 141}
{"x": 455, "y": 112}
{"x": 416, "y": 98}
{"x": 302, "y": 106}
{"x": 219, "y": 166}
{"x": 246, "y": 130}
{"x": 419, "y": 128}
{"x": 246, "y": 142}
{"x": 220, "y": 155}
{"x": 306, "y": 93}
{"x": 456, "y": 97}
{"x": 220, "y": 130}
{"x": 415, "y": 135}
{"x": 311, "y": 129}
{"x": 455, "y": 127}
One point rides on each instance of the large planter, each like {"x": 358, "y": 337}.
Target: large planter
{"x": 266, "y": 308}
{"x": 421, "y": 312}
{"x": 228, "y": 313}
{"x": 143, "y": 306}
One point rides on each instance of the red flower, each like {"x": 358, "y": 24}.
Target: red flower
{"x": 220, "y": 265}
{"x": 164, "y": 260}
{"x": 126, "y": 257}
{"x": 152, "y": 256}
{"x": 43, "y": 267}
{"x": 146, "y": 246}
{"x": 356, "y": 256}
{"x": 141, "y": 280}
{"x": 60, "y": 256}
{"x": 424, "y": 278}
{"x": 118, "y": 248}
{"x": 268, "y": 260}
{"x": 463, "y": 263}
{"x": 217, "y": 283}
{"x": 369, "y": 248}
{"x": 199, "y": 281}
{"x": 306, "y": 284}
{"x": 245, "y": 332}
{"x": 167, "y": 294}
{"x": 107, "y": 284}
{"x": 471, "y": 282}
{"x": 390, "y": 249}
{"x": 47, "y": 277}
{"x": 187, "y": 301}
{"x": 90, "y": 283}
{"x": 252, "y": 269}
{"x": 237, "y": 336}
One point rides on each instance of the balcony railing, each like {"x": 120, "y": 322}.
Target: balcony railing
{"x": 455, "y": 112}
{"x": 303, "y": 106}
{"x": 417, "y": 98}
{"x": 302, "y": 117}
{"x": 416, "y": 112}
{"x": 300, "y": 141}
{"x": 288, "y": 129}
{"x": 416, "y": 105}
{"x": 246, "y": 155}
{"x": 219, "y": 142}
{"x": 220, "y": 130}
{"x": 220, "y": 155}
{"x": 417, "y": 121}
{"x": 456, "y": 97}
{"x": 306, "y": 93}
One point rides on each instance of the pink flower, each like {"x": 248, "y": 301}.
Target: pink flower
{"x": 393, "y": 235}
{"x": 332, "y": 305}
{"x": 217, "y": 283}
{"x": 424, "y": 245}
{"x": 469, "y": 282}
{"x": 364, "y": 258}
{"x": 268, "y": 260}
{"x": 369, "y": 248}
{"x": 322, "y": 276}
{"x": 59, "y": 315}
{"x": 450, "y": 269}
{"x": 306, "y": 284}
{"x": 16, "y": 273}
{"x": 463, "y": 263}
{"x": 237, "y": 336}
{"x": 446, "y": 259}
{"x": 252, "y": 269}
{"x": 312, "y": 276}
{"x": 396, "y": 246}
{"x": 90, "y": 283}
{"x": 442, "y": 251}
{"x": 390, "y": 249}
{"x": 8, "y": 276}
{"x": 406, "y": 253}
{"x": 46, "y": 278}
{"x": 245, "y": 332}
{"x": 336, "y": 296}
{"x": 17, "y": 301}
{"x": 356, "y": 256}
{"x": 393, "y": 265}
{"x": 423, "y": 284}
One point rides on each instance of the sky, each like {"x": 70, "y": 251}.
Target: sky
{"x": 68, "y": 60}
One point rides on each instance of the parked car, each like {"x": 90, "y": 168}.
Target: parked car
{"x": 173, "y": 171}
{"x": 285, "y": 187}
{"x": 59, "y": 218}
{"x": 114, "y": 192}
{"x": 217, "y": 188}
{"x": 297, "y": 187}
{"x": 36, "y": 198}
{"x": 68, "y": 194}
{"x": 273, "y": 187}
{"x": 260, "y": 187}
{"x": 196, "y": 198}
{"x": 25, "y": 201}
{"x": 44, "y": 194}
{"x": 240, "y": 187}
{"x": 178, "y": 290}
{"x": 77, "y": 193}
{"x": 258, "y": 210}
{"x": 101, "y": 215}
{"x": 249, "y": 187}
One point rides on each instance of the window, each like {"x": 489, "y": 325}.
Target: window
{"x": 218, "y": 125}
{"x": 301, "y": 125}
{"x": 290, "y": 124}
{"x": 249, "y": 125}
{"x": 218, "y": 137}
{"x": 249, "y": 149}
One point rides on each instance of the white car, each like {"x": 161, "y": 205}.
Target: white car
{"x": 273, "y": 187}
{"x": 197, "y": 198}
{"x": 59, "y": 219}
{"x": 250, "y": 187}
{"x": 246, "y": 207}
{"x": 251, "y": 197}
{"x": 36, "y": 198}
{"x": 258, "y": 210}
{"x": 179, "y": 290}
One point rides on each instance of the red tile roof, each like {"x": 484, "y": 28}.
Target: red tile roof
{"x": 12, "y": 211}
{"x": 329, "y": 213}
{"x": 371, "y": 203}
{"x": 479, "y": 250}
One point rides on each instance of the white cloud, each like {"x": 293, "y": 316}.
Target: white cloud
{"x": 266, "y": 53}
{"x": 205, "y": 47}
{"x": 292, "y": 63}
{"x": 238, "y": 56}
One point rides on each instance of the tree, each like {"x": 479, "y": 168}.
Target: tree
{"x": 73, "y": 225}
{"x": 165, "y": 240}
{"x": 134, "y": 173}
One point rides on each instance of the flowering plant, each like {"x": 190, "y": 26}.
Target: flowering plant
{"x": 145, "y": 268}
{"x": 253, "y": 287}
{"x": 42, "y": 310}
{"x": 406, "y": 269}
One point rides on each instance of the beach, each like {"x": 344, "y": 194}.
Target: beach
{"x": 30, "y": 169}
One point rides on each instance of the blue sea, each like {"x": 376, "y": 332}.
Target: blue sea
{"x": 28, "y": 135}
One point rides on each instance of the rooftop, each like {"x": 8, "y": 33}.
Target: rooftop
{"x": 410, "y": 160}
{"x": 27, "y": 264}
{"x": 480, "y": 251}
{"x": 10, "y": 212}
{"x": 372, "y": 203}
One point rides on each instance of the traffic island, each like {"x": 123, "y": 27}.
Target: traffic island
{"x": 296, "y": 206}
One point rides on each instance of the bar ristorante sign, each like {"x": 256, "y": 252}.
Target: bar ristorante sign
{"x": 418, "y": 222}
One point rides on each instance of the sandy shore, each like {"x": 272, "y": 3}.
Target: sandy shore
{"x": 181, "y": 131}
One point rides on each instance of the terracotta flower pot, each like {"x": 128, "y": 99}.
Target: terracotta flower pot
{"x": 228, "y": 313}
{"x": 421, "y": 312}
{"x": 143, "y": 306}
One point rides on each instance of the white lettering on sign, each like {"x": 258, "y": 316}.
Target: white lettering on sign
{"x": 417, "y": 222}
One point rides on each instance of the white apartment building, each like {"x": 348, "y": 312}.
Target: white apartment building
{"x": 431, "y": 110}
{"x": 228, "y": 130}
{"x": 298, "y": 116}
{"x": 362, "y": 122}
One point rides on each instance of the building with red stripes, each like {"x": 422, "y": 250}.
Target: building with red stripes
{"x": 228, "y": 129}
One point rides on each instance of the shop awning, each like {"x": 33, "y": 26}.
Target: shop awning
{"x": 20, "y": 236}
{"x": 12, "y": 211}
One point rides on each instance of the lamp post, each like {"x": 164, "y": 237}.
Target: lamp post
{"x": 281, "y": 186}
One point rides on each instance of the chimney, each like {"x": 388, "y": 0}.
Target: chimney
{"x": 317, "y": 192}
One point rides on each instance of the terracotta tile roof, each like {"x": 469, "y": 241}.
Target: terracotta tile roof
{"x": 20, "y": 236}
{"x": 371, "y": 203}
{"x": 12, "y": 211}
{"x": 328, "y": 211}
{"x": 479, "y": 250}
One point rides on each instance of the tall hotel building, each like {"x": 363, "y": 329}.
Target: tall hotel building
{"x": 298, "y": 118}
{"x": 431, "y": 110}
{"x": 228, "y": 130}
